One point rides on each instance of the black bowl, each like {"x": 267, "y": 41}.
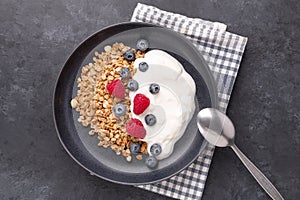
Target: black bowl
{"x": 104, "y": 162}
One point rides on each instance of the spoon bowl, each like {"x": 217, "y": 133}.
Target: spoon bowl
{"x": 216, "y": 127}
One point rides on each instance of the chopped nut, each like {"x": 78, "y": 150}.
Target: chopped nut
{"x": 107, "y": 48}
{"x": 139, "y": 156}
{"x": 144, "y": 147}
{"x": 105, "y": 104}
{"x": 110, "y": 78}
{"x": 128, "y": 158}
{"x": 91, "y": 132}
{"x": 74, "y": 103}
{"x": 85, "y": 123}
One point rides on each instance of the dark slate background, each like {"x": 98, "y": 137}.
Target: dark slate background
{"x": 37, "y": 37}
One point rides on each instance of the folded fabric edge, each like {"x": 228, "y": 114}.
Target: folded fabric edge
{"x": 214, "y": 25}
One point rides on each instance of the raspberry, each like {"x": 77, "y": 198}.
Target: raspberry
{"x": 116, "y": 89}
{"x": 135, "y": 128}
{"x": 140, "y": 104}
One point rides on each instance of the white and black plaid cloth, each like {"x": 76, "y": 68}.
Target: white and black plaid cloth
{"x": 223, "y": 52}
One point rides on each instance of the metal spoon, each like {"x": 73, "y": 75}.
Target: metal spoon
{"x": 218, "y": 130}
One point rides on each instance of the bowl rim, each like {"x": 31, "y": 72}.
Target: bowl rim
{"x": 212, "y": 92}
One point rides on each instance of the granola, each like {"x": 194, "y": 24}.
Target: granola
{"x": 94, "y": 103}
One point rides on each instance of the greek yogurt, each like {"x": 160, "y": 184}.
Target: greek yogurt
{"x": 173, "y": 106}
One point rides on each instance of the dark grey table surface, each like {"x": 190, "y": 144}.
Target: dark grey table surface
{"x": 35, "y": 40}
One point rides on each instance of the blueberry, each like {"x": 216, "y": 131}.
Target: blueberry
{"x": 135, "y": 148}
{"x": 132, "y": 85}
{"x": 151, "y": 162}
{"x": 143, "y": 66}
{"x": 154, "y": 88}
{"x": 155, "y": 149}
{"x": 150, "y": 119}
{"x": 129, "y": 55}
{"x": 119, "y": 110}
{"x": 142, "y": 44}
{"x": 124, "y": 72}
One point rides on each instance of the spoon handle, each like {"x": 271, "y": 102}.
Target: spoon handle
{"x": 258, "y": 175}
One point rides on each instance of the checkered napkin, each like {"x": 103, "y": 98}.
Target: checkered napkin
{"x": 223, "y": 52}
